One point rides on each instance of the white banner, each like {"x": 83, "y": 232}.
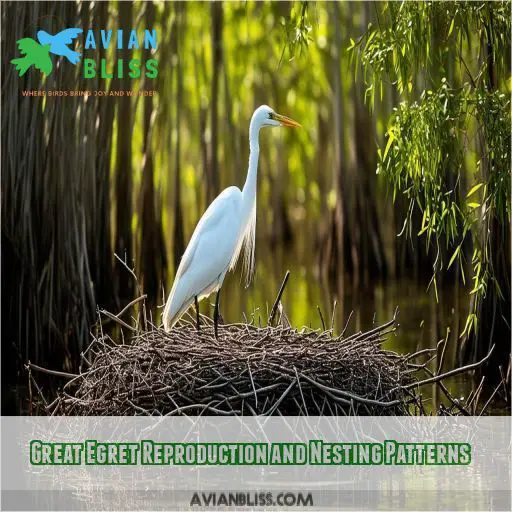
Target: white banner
{"x": 389, "y": 463}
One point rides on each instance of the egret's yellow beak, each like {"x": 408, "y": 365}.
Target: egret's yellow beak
{"x": 286, "y": 121}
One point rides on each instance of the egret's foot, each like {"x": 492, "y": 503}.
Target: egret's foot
{"x": 198, "y": 323}
{"x": 216, "y": 316}
{"x": 217, "y": 319}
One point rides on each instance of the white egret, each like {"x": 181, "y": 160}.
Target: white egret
{"x": 228, "y": 224}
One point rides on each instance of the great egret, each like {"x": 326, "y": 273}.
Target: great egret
{"x": 228, "y": 224}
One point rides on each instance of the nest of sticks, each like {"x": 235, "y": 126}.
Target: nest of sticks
{"x": 248, "y": 370}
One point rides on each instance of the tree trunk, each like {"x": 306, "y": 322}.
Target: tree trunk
{"x": 152, "y": 250}
{"x": 339, "y": 216}
{"x": 124, "y": 249}
{"x": 56, "y": 252}
{"x": 105, "y": 112}
{"x": 178, "y": 235}
{"x": 217, "y": 25}
{"x": 280, "y": 231}
{"x": 370, "y": 246}
{"x": 235, "y": 158}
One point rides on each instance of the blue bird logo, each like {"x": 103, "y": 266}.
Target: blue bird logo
{"x": 59, "y": 43}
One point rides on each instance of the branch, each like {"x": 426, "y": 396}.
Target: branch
{"x": 132, "y": 303}
{"x": 66, "y": 375}
{"x": 445, "y": 375}
{"x": 118, "y": 320}
{"x": 278, "y": 298}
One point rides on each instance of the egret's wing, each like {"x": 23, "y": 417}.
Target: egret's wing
{"x": 208, "y": 254}
{"x": 67, "y": 36}
{"x": 28, "y": 46}
{"x": 222, "y": 204}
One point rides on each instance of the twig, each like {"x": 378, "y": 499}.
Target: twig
{"x": 490, "y": 399}
{"x": 333, "y": 313}
{"x": 126, "y": 266}
{"x": 278, "y": 298}
{"x": 476, "y": 396}
{"x": 474, "y": 392}
{"x": 37, "y": 368}
{"x": 352, "y": 396}
{"x": 321, "y": 317}
{"x": 444, "y": 389}
{"x": 346, "y": 325}
{"x": 443, "y": 351}
{"x": 281, "y": 398}
{"x": 450, "y": 373}
{"x": 118, "y": 320}
{"x": 132, "y": 303}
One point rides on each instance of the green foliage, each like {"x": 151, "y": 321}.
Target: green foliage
{"x": 423, "y": 160}
{"x": 493, "y": 113}
{"x": 422, "y": 152}
{"x": 419, "y": 37}
{"x": 297, "y": 31}
{"x": 428, "y": 139}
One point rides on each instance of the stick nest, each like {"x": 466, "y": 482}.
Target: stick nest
{"x": 248, "y": 370}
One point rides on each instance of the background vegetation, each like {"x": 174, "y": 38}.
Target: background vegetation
{"x": 397, "y": 190}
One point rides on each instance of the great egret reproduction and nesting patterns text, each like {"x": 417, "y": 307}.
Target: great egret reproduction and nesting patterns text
{"x": 228, "y": 224}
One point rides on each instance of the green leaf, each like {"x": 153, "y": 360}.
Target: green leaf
{"x": 372, "y": 35}
{"x": 454, "y": 255}
{"x": 451, "y": 27}
{"x": 469, "y": 324}
{"x": 473, "y": 205}
{"x": 474, "y": 189}
{"x": 388, "y": 145}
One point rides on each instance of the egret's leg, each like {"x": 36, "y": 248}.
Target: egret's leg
{"x": 216, "y": 315}
{"x": 197, "y": 313}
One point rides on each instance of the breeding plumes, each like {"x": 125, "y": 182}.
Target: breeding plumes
{"x": 227, "y": 226}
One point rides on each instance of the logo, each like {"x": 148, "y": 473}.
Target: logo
{"x": 37, "y": 53}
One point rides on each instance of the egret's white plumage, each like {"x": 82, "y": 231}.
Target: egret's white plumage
{"x": 227, "y": 227}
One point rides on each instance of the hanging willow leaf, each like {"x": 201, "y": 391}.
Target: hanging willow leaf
{"x": 474, "y": 189}
{"x": 388, "y": 145}
{"x": 455, "y": 254}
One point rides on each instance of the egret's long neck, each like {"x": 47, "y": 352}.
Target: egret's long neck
{"x": 249, "y": 191}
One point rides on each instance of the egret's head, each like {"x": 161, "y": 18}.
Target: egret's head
{"x": 265, "y": 116}
{"x": 43, "y": 37}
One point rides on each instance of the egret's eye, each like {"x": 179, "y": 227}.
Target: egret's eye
{"x": 271, "y": 115}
